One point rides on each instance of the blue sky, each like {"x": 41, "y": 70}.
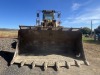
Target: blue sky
{"x": 74, "y": 13}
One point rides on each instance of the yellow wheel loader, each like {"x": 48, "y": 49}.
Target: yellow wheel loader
{"x": 49, "y": 44}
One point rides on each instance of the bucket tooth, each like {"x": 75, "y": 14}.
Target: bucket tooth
{"x": 77, "y": 63}
{"x": 33, "y": 65}
{"x": 67, "y": 64}
{"x": 86, "y": 62}
{"x": 12, "y": 62}
{"x": 22, "y": 63}
{"x": 57, "y": 66}
{"x": 45, "y": 65}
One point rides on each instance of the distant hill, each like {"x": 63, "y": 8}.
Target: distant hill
{"x": 7, "y": 29}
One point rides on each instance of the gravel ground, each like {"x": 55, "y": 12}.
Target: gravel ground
{"x": 92, "y": 52}
{"x": 6, "y": 44}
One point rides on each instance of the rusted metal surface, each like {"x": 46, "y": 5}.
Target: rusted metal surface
{"x": 44, "y": 42}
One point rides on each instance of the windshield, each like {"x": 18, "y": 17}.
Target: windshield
{"x": 48, "y": 17}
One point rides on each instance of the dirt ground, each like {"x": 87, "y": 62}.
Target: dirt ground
{"x": 92, "y": 51}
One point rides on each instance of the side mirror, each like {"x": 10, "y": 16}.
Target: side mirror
{"x": 37, "y": 14}
{"x": 59, "y": 15}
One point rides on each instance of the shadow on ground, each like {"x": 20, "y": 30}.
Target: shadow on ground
{"x": 92, "y": 41}
{"x": 13, "y": 45}
{"x": 7, "y": 56}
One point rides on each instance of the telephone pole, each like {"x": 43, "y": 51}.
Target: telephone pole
{"x": 91, "y": 27}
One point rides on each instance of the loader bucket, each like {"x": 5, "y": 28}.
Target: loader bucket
{"x": 49, "y": 48}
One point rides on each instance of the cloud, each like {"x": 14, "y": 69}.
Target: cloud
{"x": 75, "y": 6}
{"x": 84, "y": 19}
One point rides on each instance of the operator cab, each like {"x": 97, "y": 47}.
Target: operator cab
{"x": 48, "y": 19}
{"x": 48, "y": 15}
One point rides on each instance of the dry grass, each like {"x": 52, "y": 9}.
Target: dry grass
{"x": 8, "y": 34}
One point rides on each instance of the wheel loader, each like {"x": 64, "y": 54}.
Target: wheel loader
{"x": 49, "y": 44}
